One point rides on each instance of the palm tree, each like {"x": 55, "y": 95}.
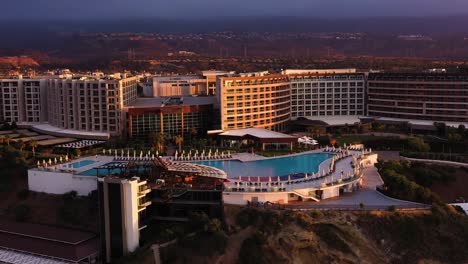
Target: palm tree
{"x": 193, "y": 134}
{"x": 158, "y": 141}
{"x": 21, "y": 145}
{"x": 33, "y": 144}
{"x": 8, "y": 139}
{"x": 179, "y": 140}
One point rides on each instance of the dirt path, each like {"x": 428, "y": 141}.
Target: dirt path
{"x": 234, "y": 245}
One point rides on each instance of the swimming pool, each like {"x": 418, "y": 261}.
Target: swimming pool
{"x": 298, "y": 164}
{"x": 79, "y": 164}
{"x": 102, "y": 171}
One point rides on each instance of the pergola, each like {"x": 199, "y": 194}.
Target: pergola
{"x": 258, "y": 135}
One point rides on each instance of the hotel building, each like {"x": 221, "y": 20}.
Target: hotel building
{"x": 185, "y": 85}
{"x": 418, "y": 96}
{"x": 319, "y": 95}
{"x": 66, "y": 105}
{"x": 122, "y": 208}
{"x": 23, "y": 100}
{"x": 254, "y": 100}
{"x": 172, "y": 116}
{"x": 90, "y": 104}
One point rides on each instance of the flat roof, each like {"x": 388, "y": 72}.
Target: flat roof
{"x": 337, "y": 120}
{"x": 255, "y": 132}
{"x": 46, "y": 128}
{"x": 50, "y": 241}
{"x": 421, "y": 122}
{"x": 186, "y": 100}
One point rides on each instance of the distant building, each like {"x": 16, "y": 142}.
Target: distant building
{"x": 419, "y": 96}
{"x": 185, "y": 85}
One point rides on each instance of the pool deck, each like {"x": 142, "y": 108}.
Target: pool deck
{"x": 245, "y": 157}
{"x": 99, "y": 160}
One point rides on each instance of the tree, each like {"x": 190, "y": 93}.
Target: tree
{"x": 33, "y": 144}
{"x": 21, "y": 145}
{"x": 193, "y": 133}
{"x": 7, "y": 139}
{"x": 417, "y": 144}
{"x": 179, "y": 140}
{"x": 461, "y": 130}
{"x": 158, "y": 141}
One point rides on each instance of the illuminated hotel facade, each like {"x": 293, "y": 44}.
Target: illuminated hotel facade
{"x": 254, "y": 100}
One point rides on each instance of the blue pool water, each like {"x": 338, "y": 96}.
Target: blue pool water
{"x": 306, "y": 163}
{"x": 102, "y": 171}
{"x": 284, "y": 166}
{"x": 79, "y": 164}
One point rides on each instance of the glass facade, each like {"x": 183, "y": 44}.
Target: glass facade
{"x": 172, "y": 121}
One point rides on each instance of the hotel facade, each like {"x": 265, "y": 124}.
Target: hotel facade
{"x": 102, "y": 106}
{"x": 434, "y": 97}
{"x": 262, "y": 101}
{"x": 317, "y": 95}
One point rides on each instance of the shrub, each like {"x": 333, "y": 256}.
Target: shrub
{"x": 247, "y": 217}
{"x": 69, "y": 196}
{"x": 23, "y": 194}
{"x": 22, "y": 212}
{"x": 251, "y": 250}
{"x": 392, "y": 208}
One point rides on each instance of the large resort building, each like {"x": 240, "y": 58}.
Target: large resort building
{"x": 98, "y": 106}
{"x": 419, "y": 96}
{"x": 320, "y": 95}
{"x": 171, "y": 116}
{"x": 254, "y": 100}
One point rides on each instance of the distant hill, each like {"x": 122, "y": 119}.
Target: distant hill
{"x": 18, "y": 61}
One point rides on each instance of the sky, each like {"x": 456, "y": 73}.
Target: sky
{"x": 194, "y": 9}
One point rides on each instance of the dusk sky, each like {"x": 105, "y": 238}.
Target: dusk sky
{"x": 106, "y": 9}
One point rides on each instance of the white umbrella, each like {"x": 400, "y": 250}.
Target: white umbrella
{"x": 269, "y": 179}
{"x": 258, "y": 179}
{"x": 128, "y": 154}
{"x": 50, "y": 161}
{"x": 289, "y": 177}
{"x": 306, "y": 176}
{"x": 38, "y": 163}
{"x": 248, "y": 179}
{"x": 104, "y": 151}
{"x": 61, "y": 159}
{"x": 279, "y": 179}
{"x": 134, "y": 154}
{"x": 66, "y": 157}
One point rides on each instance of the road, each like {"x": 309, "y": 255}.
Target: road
{"x": 368, "y": 196}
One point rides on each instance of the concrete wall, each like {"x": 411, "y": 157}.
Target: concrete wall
{"x": 330, "y": 192}
{"x": 241, "y": 198}
{"x": 130, "y": 202}
{"x": 54, "y": 182}
{"x": 369, "y": 160}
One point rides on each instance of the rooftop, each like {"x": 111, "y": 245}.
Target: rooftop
{"x": 255, "y": 132}
{"x": 49, "y": 241}
{"x": 173, "y": 101}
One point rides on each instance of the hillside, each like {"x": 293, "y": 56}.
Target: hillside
{"x": 269, "y": 236}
